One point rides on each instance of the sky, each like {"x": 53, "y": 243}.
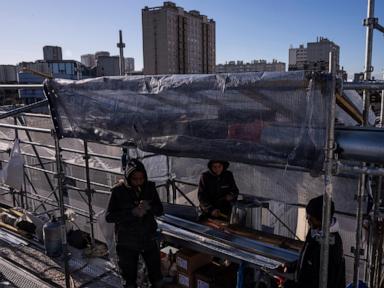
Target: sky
{"x": 245, "y": 29}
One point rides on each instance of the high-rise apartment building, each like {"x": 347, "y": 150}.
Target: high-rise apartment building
{"x": 176, "y": 41}
{"x": 315, "y": 57}
{"x": 52, "y": 53}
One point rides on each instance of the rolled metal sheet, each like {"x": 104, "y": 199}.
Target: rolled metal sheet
{"x": 360, "y": 144}
{"x": 249, "y": 250}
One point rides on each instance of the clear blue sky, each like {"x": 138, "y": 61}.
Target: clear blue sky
{"x": 246, "y": 29}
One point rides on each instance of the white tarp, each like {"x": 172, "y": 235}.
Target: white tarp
{"x": 12, "y": 172}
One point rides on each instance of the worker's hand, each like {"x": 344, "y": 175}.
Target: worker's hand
{"x": 215, "y": 213}
{"x": 145, "y": 205}
{"x": 138, "y": 211}
{"x": 229, "y": 197}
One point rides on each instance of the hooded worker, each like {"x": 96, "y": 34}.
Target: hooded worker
{"x": 309, "y": 263}
{"x": 217, "y": 190}
{"x": 133, "y": 205}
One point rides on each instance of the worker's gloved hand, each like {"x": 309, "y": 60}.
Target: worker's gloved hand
{"x": 145, "y": 205}
{"x": 138, "y": 211}
{"x": 229, "y": 197}
{"x": 215, "y": 213}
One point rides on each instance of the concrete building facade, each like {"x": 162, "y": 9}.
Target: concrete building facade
{"x": 318, "y": 51}
{"x": 8, "y": 75}
{"x": 253, "y": 66}
{"x": 88, "y": 60}
{"x": 297, "y": 57}
{"x": 129, "y": 65}
{"x": 102, "y": 64}
{"x": 107, "y": 66}
{"x": 315, "y": 57}
{"x": 35, "y": 73}
{"x": 52, "y": 53}
{"x": 101, "y": 53}
{"x": 176, "y": 41}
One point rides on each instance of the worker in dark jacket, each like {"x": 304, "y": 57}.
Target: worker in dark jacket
{"x": 309, "y": 263}
{"x": 133, "y": 205}
{"x": 217, "y": 190}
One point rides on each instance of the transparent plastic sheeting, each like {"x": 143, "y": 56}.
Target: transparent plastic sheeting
{"x": 277, "y": 118}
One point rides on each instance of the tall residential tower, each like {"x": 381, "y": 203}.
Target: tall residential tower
{"x": 177, "y": 42}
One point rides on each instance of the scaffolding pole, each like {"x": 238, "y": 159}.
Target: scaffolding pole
{"x": 60, "y": 180}
{"x": 24, "y": 109}
{"x": 89, "y": 194}
{"x": 21, "y": 86}
{"x": 376, "y": 248}
{"x": 23, "y": 123}
{"x": 327, "y": 198}
{"x": 362, "y": 181}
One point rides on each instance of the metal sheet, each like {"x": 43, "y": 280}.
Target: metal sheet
{"x": 238, "y": 243}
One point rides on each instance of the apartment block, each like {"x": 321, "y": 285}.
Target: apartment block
{"x": 107, "y": 66}
{"x": 88, "y": 60}
{"x": 315, "y": 57}
{"x": 52, "y": 53}
{"x": 176, "y": 41}
{"x": 129, "y": 64}
{"x": 297, "y": 58}
{"x": 253, "y": 66}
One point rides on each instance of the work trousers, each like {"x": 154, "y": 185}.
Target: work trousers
{"x": 128, "y": 260}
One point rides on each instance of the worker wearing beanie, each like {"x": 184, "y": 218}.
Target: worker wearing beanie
{"x": 133, "y": 205}
{"x": 308, "y": 269}
{"x": 217, "y": 190}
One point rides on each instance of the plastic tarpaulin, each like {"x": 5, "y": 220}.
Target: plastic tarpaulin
{"x": 277, "y": 118}
{"x": 10, "y": 173}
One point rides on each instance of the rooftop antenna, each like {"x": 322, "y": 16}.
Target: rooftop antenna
{"x": 121, "y": 46}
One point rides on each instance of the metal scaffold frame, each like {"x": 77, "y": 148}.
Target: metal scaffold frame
{"x": 331, "y": 167}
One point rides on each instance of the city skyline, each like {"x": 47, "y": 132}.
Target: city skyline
{"x": 245, "y": 30}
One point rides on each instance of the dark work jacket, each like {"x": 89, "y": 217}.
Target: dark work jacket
{"x": 213, "y": 189}
{"x": 309, "y": 263}
{"x": 135, "y": 232}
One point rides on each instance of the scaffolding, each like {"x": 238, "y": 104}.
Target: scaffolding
{"x": 60, "y": 183}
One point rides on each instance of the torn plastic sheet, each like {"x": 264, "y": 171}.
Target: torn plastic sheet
{"x": 244, "y": 117}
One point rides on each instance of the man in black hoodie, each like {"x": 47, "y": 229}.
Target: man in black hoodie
{"x": 309, "y": 263}
{"x": 217, "y": 190}
{"x": 133, "y": 205}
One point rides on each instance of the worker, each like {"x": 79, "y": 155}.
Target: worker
{"x": 133, "y": 205}
{"x": 217, "y": 190}
{"x": 308, "y": 269}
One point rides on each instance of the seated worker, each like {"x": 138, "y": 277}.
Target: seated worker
{"x": 133, "y": 205}
{"x": 217, "y": 190}
{"x": 308, "y": 269}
